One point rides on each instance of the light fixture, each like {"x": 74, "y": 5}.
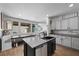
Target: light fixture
{"x": 47, "y": 15}
{"x": 71, "y": 5}
{"x": 19, "y": 14}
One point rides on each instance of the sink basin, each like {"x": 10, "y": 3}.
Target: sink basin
{"x": 47, "y": 37}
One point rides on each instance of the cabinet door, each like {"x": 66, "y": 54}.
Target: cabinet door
{"x": 6, "y": 42}
{"x": 58, "y": 40}
{"x": 64, "y": 24}
{"x": 75, "y": 43}
{"x": 53, "y": 24}
{"x": 66, "y": 41}
{"x": 73, "y": 23}
{"x": 9, "y": 24}
{"x": 58, "y": 24}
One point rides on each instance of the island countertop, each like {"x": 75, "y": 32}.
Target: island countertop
{"x": 35, "y": 41}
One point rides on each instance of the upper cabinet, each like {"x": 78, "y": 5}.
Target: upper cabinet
{"x": 9, "y": 24}
{"x": 66, "y": 22}
{"x": 56, "y": 23}
{"x": 53, "y": 25}
{"x": 70, "y": 23}
{"x": 73, "y": 23}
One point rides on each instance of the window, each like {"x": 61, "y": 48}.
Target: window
{"x": 15, "y": 23}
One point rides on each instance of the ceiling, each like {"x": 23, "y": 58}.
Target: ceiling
{"x": 35, "y": 11}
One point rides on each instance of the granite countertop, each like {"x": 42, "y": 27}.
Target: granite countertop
{"x": 35, "y": 41}
{"x": 22, "y": 35}
{"x": 64, "y": 34}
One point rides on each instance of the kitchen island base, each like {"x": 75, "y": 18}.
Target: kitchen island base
{"x": 46, "y": 49}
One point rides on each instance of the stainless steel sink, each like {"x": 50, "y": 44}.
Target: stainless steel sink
{"x": 47, "y": 37}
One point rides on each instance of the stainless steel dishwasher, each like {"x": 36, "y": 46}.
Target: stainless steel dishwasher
{"x": 41, "y": 50}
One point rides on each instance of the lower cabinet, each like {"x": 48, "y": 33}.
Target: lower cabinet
{"x": 70, "y": 42}
{"x": 63, "y": 40}
{"x": 6, "y": 42}
{"x": 75, "y": 43}
{"x": 66, "y": 41}
{"x": 58, "y": 39}
{"x": 6, "y": 46}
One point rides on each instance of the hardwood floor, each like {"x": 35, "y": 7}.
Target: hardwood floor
{"x": 18, "y": 51}
{"x": 64, "y": 51}
{"x": 60, "y": 51}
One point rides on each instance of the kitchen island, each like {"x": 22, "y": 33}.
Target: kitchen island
{"x": 36, "y": 46}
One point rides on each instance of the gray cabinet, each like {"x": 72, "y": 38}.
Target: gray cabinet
{"x": 69, "y": 22}
{"x": 66, "y": 41}
{"x": 6, "y": 42}
{"x": 64, "y": 24}
{"x": 73, "y": 23}
{"x": 53, "y": 25}
{"x": 58, "y": 39}
{"x": 9, "y": 24}
{"x": 75, "y": 43}
{"x": 58, "y": 24}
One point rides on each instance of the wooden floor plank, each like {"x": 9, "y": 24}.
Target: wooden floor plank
{"x": 18, "y": 51}
{"x": 65, "y": 51}
{"x": 60, "y": 51}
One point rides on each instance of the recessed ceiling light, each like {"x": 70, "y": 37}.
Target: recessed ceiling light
{"x": 71, "y": 5}
{"x": 47, "y": 15}
{"x": 19, "y": 15}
